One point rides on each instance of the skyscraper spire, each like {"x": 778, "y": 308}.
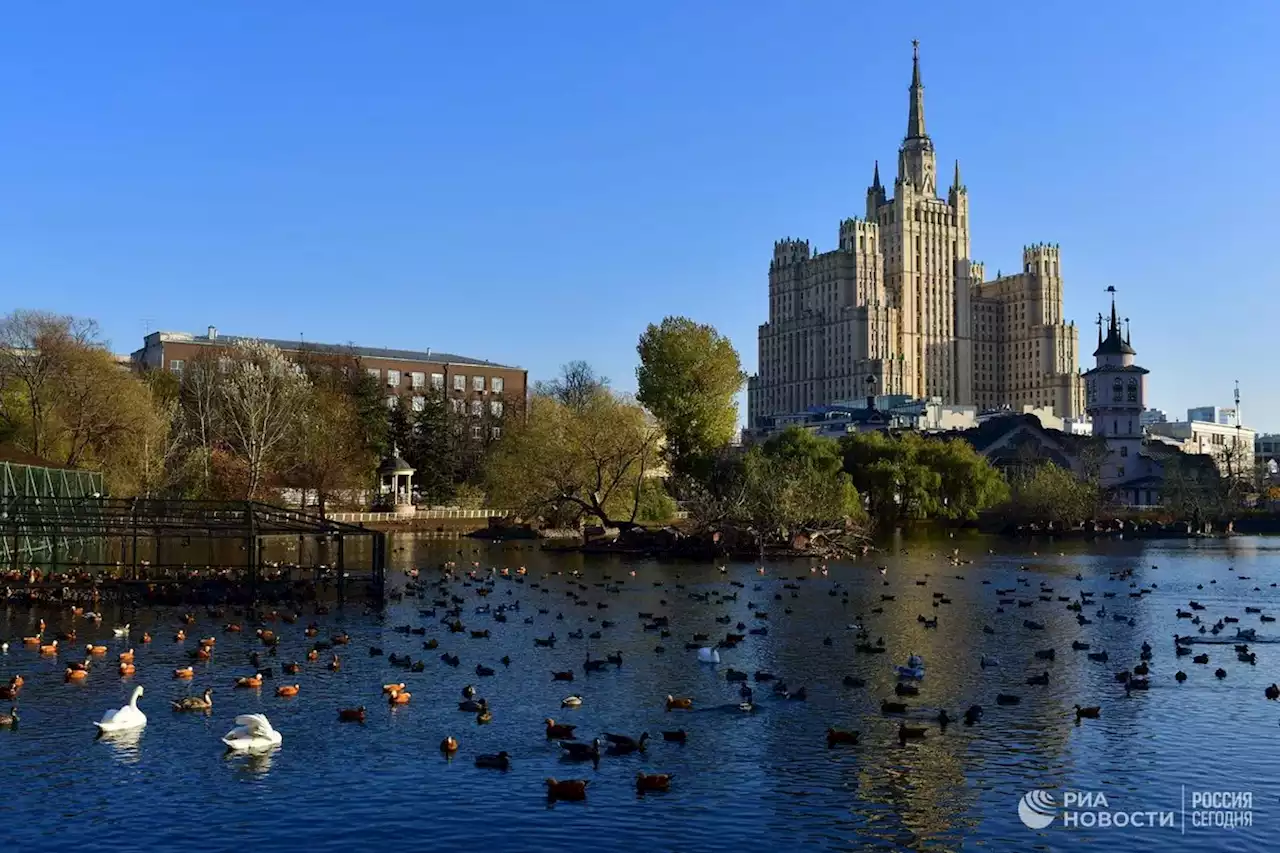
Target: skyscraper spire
{"x": 875, "y": 180}
{"x": 956, "y": 182}
{"x": 915, "y": 119}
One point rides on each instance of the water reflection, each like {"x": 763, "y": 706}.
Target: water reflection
{"x": 124, "y": 744}
{"x": 254, "y": 764}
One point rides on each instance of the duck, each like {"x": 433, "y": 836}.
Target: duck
{"x": 575, "y": 751}
{"x": 473, "y": 706}
{"x": 570, "y": 790}
{"x": 1090, "y": 713}
{"x": 195, "y": 703}
{"x": 253, "y": 733}
{"x": 679, "y": 704}
{"x": 652, "y": 782}
{"x": 1180, "y": 676}
{"x": 495, "y": 761}
{"x": 467, "y": 692}
{"x": 1272, "y": 692}
{"x": 9, "y": 720}
{"x": 127, "y": 668}
{"x": 1039, "y": 680}
{"x": 351, "y": 715}
{"x": 9, "y": 692}
{"x": 972, "y": 715}
{"x": 287, "y": 690}
{"x": 121, "y": 631}
{"x": 839, "y": 737}
{"x": 558, "y": 731}
{"x": 449, "y": 745}
{"x": 1220, "y": 673}
{"x": 893, "y": 708}
{"x": 571, "y": 702}
{"x": 399, "y": 697}
{"x": 184, "y": 672}
{"x": 124, "y": 719}
{"x": 906, "y": 733}
{"x": 249, "y": 681}
{"x": 625, "y": 745}
{"x": 562, "y": 676}
{"x": 485, "y": 716}
{"x": 483, "y": 671}
{"x": 388, "y": 688}
{"x": 126, "y": 657}
{"x": 677, "y": 736}
{"x": 335, "y": 664}
{"x": 50, "y": 648}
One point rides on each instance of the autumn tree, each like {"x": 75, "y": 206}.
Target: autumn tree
{"x": 38, "y": 350}
{"x": 327, "y": 452}
{"x": 575, "y": 387}
{"x": 689, "y": 377}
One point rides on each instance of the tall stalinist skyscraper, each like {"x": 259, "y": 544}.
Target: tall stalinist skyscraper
{"x": 900, "y": 308}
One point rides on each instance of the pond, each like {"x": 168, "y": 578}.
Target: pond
{"x": 742, "y": 779}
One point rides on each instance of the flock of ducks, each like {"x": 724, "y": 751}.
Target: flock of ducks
{"x": 453, "y": 589}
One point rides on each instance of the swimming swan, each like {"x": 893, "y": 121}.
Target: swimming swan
{"x": 123, "y": 719}
{"x": 708, "y": 655}
{"x": 253, "y": 733}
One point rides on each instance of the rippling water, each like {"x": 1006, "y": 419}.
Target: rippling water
{"x": 742, "y": 780}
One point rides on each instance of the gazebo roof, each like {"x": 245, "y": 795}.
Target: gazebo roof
{"x": 394, "y": 465}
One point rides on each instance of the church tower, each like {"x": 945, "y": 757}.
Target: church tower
{"x": 1115, "y": 398}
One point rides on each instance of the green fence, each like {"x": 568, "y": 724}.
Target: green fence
{"x": 48, "y": 539}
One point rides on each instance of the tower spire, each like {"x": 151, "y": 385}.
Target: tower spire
{"x": 915, "y": 118}
{"x": 875, "y": 180}
{"x": 956, "y": 182}
{"x": 1115, "y": 324}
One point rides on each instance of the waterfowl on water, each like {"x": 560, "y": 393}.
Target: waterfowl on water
{"x": 473, "y": 705}
{"x": 253, "y": 733}
{"x": 625, "y": 745}
{"x": 571, "y": 702}
{"x": 1039, "y": 680}
{"x": 1272, "y": 692}
{"x": 127, "y": 668}
{"x": 9, "y": 691}
{"x": 893, "y": 708}
{"x": 335, "y": 664}
{"x": 387, "y": 688}
{"x": 126, "y": 657}
{"x": 126, "y": 718}
{"x": 562, "y": 676}
{"x": 677, "y": 736}
{"x": 1180, "y": 676}
{"x": 351, "y": 715}
{"x": 184, "y": 672}
{"x": 313, "y": 655}
{"x": 556, "y": 731}
{"x": 248, "y": 681}
{"x": 195, "y": 703}
{"x": 1220, "y": 673}
{"x": 838, "y": 737}
{"x": 9, "y": 720}
{"x": 287, "y": 690}
{"x": 906, "y": 733}
{"x": 50, "y": 649}
{"x": 399, "y": 697}
{"x": 449, "y": 745}
{"x": 679, "y": 704}
{"x": 1091, "y": 713}
{"x": 567, "y": 789}
{"x": 972, "y": 715}
{"x": 652, "y": 782}
{"x": 575, "y": 751}
{"x": 483, "y": 671}
{"x": 498, "y": 761}
{"x": 485, "y": 716}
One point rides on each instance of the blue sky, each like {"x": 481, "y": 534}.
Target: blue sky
{"x": 535, "y": 182}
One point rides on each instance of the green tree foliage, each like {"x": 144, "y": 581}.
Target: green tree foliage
{"x": 689, "y": 376}
{"x": 590, "y": 456}
{"x": 1048, "y": 493}
{"x": 911, "y": 476}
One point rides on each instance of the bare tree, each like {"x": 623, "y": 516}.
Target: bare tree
{"x": 200, "y": 398}
{"x": 575, "y": 387}
{"x": 261, "y": 396}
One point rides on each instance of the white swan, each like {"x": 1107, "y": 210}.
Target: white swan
{"x": 707, "y": 654}
{"x": 253, "y": 733}
{"x": 123, "y": 719}
{"x": 571, "y": 702}
{"x": 122, "y": 631}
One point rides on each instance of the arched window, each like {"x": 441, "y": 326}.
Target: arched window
{"x": 1117, "y": 391}
{"x": 1132, "y": 396}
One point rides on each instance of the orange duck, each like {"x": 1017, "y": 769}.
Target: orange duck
{"x": 567, "y": 789}
{"x": 388, "y": 688}
{"x": 287, "y": 690}
{"x": 9, "y": 692}
{"x": 207, "y": 642}
{"x": 351, "y": 715}
{"x": 32, "y": 641}
{"x": 184, "y": 672}
{"x": 126, "y": 657}
{"x": 254, "y": 680}
{"x": 651, "y": 782}
{"x": 51, "y": 649}
{"x": 399, "y": 697}
{"x": 313, "y": 655}
{"x": 127, "y": 668}
{"x": 76, "y": 674}
{"x": 95, "y": 650}
{"x": 146, "y": 637}
{"x": 292, "y": 668}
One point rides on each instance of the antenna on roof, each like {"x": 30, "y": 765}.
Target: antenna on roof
{"x": 146, "y": 325}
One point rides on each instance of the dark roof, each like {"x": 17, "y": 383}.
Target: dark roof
{"x": 14, "y": 456}
{"x": 352, "y": 349}
{"x": 394, "y": 464}
{"x": 1128, "y": 368}
{"x": 1114, "y": 344}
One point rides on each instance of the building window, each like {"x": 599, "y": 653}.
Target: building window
{"x": 495, "y": 382}
{"x": 495, "y": 408}
{"x": 477, "y": 383}
{"x": 476, "y": 408}
{"x": 393, "y": 379}
{"x": 437, "y": 381}
{"x": 496, "y": 432}
{"x": 1132, "y": 396}
{"x": 1119, "y": 470}
{"x": 1124, "y": 450}
{"x": 176, "y": 365}
{"x": 391, "y": 401}
{"x": 477, "y": 432}
{"x": 459, "y": 383}
{"x": 459, "y": 406}
{"x": 1117, "y": 391}
{"x": 418, "y": 380}
{"x": 419, "y": 403}
{"x": 374, "y": 372}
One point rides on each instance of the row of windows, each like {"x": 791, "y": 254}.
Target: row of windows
{"x": 394, "y": 377}
{"x": 460, "y": 407}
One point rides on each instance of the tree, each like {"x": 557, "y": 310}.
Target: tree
{"x": 37, "y": 351}
{"x": 200, "y": 403}
{"x": 967, "y": 482}
{"x": 584, "y": 455}
{"x": 1049, "y": 493}
{"x": 261, "y": 396}
{"x": 328, "y": 451}
{"x": 689, "y": 376}
{"x": 575, "y": 387}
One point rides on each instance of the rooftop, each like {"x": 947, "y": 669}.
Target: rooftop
{"x": 217, "y": 339}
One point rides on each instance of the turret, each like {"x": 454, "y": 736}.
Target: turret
{"x": 875, "y": 194}
{"x": 916, "y": 164}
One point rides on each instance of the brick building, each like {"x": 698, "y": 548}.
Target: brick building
{"x": 473, "y": 386}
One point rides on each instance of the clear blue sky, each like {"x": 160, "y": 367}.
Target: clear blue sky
{"x": 534, "y": 182}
